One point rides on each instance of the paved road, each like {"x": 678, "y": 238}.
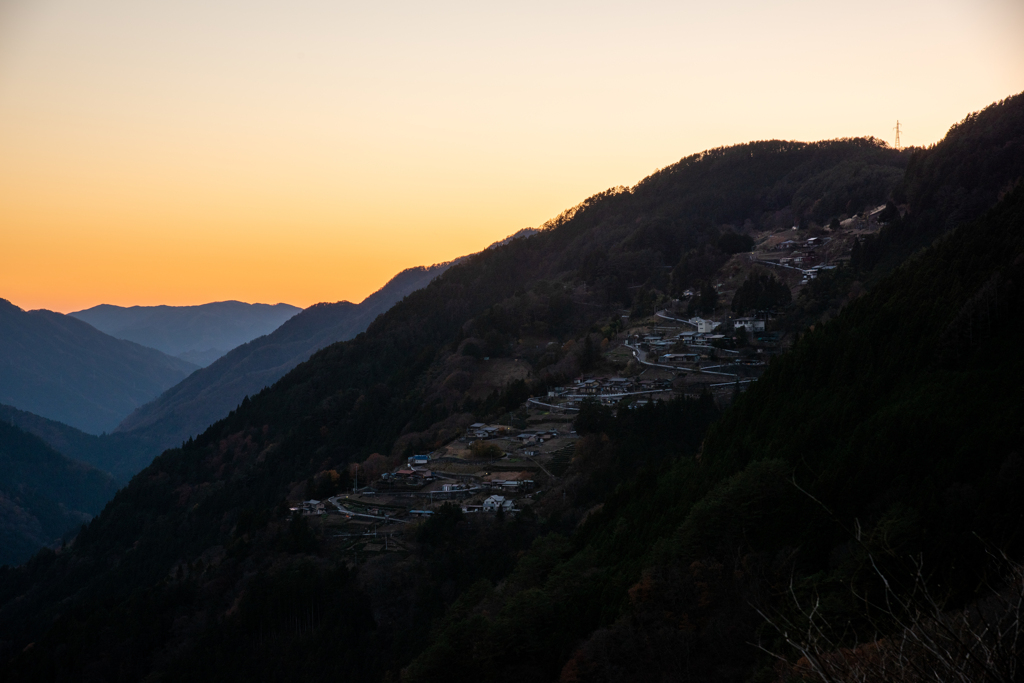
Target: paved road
{"x": 346, "y": 511}
{"x": 641, "y": 357}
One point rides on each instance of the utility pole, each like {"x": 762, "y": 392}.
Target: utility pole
{"x": 897, "y": 129}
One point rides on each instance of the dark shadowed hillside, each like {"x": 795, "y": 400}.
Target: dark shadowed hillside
{"x": 208, "y": 395}
{"x": 198, "y": 334}
{"x": 43, "y": 495}
{"x": 66, "y": 370}
{"x": 885, "y": 437}
{"x": 977, "y": 163}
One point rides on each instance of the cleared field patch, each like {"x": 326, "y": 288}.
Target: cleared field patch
{"x": 497, "y": 373}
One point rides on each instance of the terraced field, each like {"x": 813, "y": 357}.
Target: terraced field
{"x": 561, "y": 458}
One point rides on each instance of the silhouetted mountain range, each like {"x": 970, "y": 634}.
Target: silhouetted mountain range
{"x": 66, "y": 370}
{"x": 54, "y": 477}
{"x": 197, "y": 334}
{"x": 211, "y": 393}
{"x": 187, "y": 408}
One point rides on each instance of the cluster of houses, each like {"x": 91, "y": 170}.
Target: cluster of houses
{"x": 708, "y": 327}
{"x": 749, "y": 324}
{"x": 702, "y": 338}
{"x": 495, "y": 503}
{"x": 801, "y": 255}
{"x": 688, "y": 349}
{"x": 596, "y": 386}
{"x": 810, "y": 243}
{"x": 703, "y": 335}
{"x": 812, "y": 272}
{"x": 509, "y": 481}
{"x": 310, "y": 508}
{"x": 607, "y": 386}
{"x": 605, "y": 389}
{"x": 534, "y": 438}
{"x": 479, "y": 430}
{"x": 406, "y": 478}
{"x": 416, "y": 475}
{"x": 492, "y": 504}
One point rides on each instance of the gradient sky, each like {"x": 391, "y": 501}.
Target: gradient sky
{"x": 192, "y": 151}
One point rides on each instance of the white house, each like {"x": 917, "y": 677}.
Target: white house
{"x": 313, "y": 507}
{"x": 750, "y": 324}
{"x": 705, "y": 326}
{"x": 494, "y": 503}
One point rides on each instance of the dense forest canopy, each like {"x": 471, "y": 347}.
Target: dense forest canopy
{"x": 761, "y": 292}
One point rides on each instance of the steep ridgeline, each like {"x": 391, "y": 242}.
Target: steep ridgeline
{"x": 66, "y": 370}
{"x": 43, "y": 495}
{"x": 197, "y": 334}
{"x": 210, "y": 394}
{"x": 979, "y": 161}
{"x": 642, "y": 561}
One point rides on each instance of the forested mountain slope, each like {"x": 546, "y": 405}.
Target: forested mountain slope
{"x": 208, "y": 395}
{"x": 66, "y": 370}
{"x": 198, "y": 334}
{"x": 888, "y": 436}
{"x": 978, "y": 162}
{"x": 116, "y": 454}
{"x": 644, "y": 560}
{"x": 43, "y": 495}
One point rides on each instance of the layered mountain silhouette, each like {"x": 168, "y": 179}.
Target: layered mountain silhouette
{"x": 120, "y": 455}
{"x": 32, "y": 515}
{"x": 64, "y": 369}
{"x": 211, "y": 393}
{"x": 197, "y": 334}
{"x": 43, "y": 494}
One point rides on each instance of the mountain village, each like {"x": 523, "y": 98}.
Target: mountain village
{"x": 500, "y": 469}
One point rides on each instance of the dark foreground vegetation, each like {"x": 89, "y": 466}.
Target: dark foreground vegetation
{"x": 875, "y": 464}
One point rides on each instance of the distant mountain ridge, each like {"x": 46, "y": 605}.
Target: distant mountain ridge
{"x": 64, "y": 369}
{"x": 64, "y": 461}
{"x": 198, "y": 334}
{"x": 211, "y": 393}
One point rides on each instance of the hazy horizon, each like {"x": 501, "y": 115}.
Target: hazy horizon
{"x": 199, "y": 152}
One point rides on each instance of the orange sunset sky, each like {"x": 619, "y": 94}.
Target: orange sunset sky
{"x": 193, "y": 151}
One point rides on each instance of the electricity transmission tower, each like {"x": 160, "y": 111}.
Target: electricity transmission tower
{"x": 897, "y": 129}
